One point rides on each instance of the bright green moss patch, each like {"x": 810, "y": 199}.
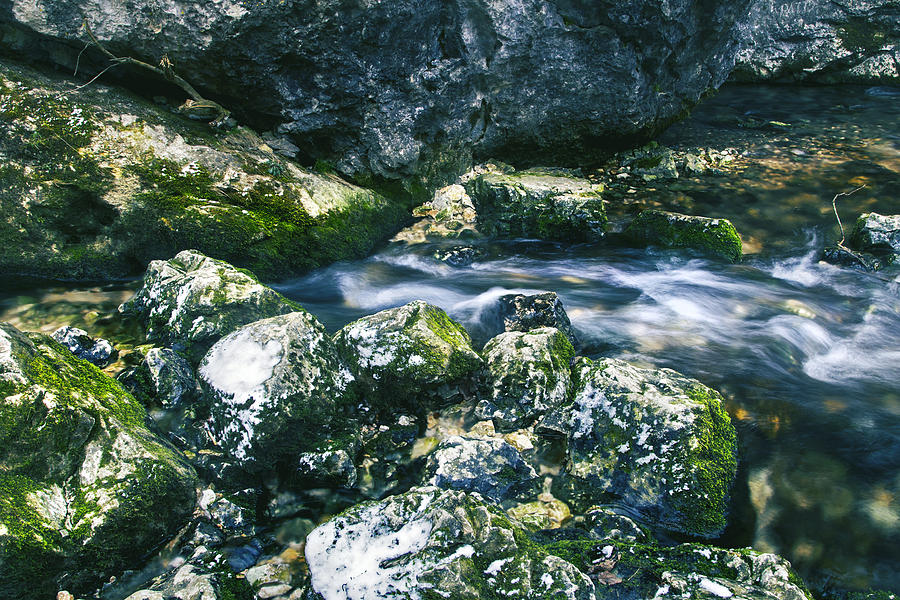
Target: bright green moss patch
{"x": 673, "y": 230}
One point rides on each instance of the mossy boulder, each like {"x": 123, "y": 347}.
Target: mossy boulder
{"x": 164, "y": 378}
{"x": 659, "y": 442}
{"x": 413, "y": 356}
{"x": 276, "y": 388}
{"x": 434, "y": 544}
{"x": 544, "y": 204}
{"x": 95, "y": 183}
{"x": 85, "y": 489}
{"x": 489, "y": 466}
{"x": 524, "y": 312}
{"x": 527, "y": 373}
{"x": 705, "y": 235}
{"x": 190, "y": 301}
{"x": 643, "y": 570}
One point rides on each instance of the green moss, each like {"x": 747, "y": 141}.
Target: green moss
{"x": 672, "y": 230}
{"x": 859, "y": 35}
{"x": 713, "y": 464}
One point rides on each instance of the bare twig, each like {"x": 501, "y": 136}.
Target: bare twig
{"x": 838, "y": 217}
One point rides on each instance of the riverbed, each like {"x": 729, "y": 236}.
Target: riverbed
{"x": 805, "y": 353}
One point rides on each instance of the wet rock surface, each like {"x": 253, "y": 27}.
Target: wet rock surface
{"x": 87, "y": 490}
{"x": 531, "y": 79}
{"x": 527, "y": 374}
{"x": 521, "y": 312}
{"x": 661, "y": 442}
{"x": 99, "y": 352}
{"x": 673, "y": 230}
{"x": 191, "y": 300}
{"x": 413, "y": 356}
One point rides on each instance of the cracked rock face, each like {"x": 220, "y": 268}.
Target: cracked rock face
{"x": 400, "y": 88}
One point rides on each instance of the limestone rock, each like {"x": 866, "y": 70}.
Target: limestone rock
{"x": 85, "y": 489}
{"x": 164, "y": 378}
{"x": 430, "y": 539}
{"x": 527, "y": 374}
{"x": 520, "y": 312}
{"x": 404, "y": 88}
{"x": 878, "y": 234}
{"x": 96, "y": 351}
{"x": 96, "y": 183}
{"x": 659, "y": 441}
{"x": 491, "y": 467}
{"x": 276, "y": 388}
{"x": 192, "y": 300}
{"x": 542, "y": 204}
{"x": 413, "y": 356}
{"x": 673, "y": 230}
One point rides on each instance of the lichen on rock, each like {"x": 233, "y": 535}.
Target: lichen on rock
{"x": 413, "y": 356}
{"x": 85, "y": 489}
{"x": 660, "y": 442}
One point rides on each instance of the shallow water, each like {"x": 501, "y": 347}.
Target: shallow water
{"x": 806, "y": 354}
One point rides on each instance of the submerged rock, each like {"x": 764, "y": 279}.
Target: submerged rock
{"x": 491, "y": 467}
{"x": 450, "y": 214}
{"x": 96, "y": 183}
{"x": 520, "y": 312}
{"x": 96, "y": 351}
{"x": 527, "y": 374}
{"x": 674, "y": 230}
{"x": 402, "y": 88}
{"x": 429, "y": 540}
{"x": 191, "y": 301}
{"x": 412, "y": 357}
{"x": 85, "y": 489}
{"x": 276, "y": 388}
{"x": 657, "y": 440}
{"x": 544, "y": 204}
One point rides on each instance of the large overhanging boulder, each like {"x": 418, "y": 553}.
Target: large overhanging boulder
{"x": 399, "y": 87}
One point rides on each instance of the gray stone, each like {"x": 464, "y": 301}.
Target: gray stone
{"x": 192, "y": 300}
{"x": 604, "y": 523}
{"x": 527, "y": 373}
{"x": 97, "y": 351}
{"x": 401, "y": 87}
{"x": 430, "y": 539}
{"x": 410, "y": 357}
{"x": 878, "y": 234}
{"x": 332, "y": 467}
{"x": 276, "y": 388}
{"x": 520, "y": 312}
{"x": 827, "y": 42}
{"x": 164, "y": 377}
{"x": 489, "y": 466}
{"x": 85, "y": 489}
{"x": 659, "y": 441}
{"x": 541, "y": 204}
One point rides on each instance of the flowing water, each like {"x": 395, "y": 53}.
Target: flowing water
{"x": 807, "y": 354}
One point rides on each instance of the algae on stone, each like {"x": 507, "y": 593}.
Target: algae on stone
{"x": 527, "y": 374}
{"x": 191, "y": 300}
{"x": 87, "y": 490}
{"x": 673, "y": 230}
{"x": 660, "y": 442}
{"x": 544, "y": 204}
{"x": 412, "y": 356}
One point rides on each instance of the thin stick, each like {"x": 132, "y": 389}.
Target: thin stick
{"x": 841, "y": 225}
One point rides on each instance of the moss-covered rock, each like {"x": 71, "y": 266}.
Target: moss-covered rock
{"x": 412, "y": 356}
{"x": 632, "y": 570}
{"x": 545, "y": 204}
{"x": 527, "y": 374}
{"x": 95, "y": 183}
{"x": 525, "y": 312}
{"x": 276, "y": 388}
{"x": 673, "y": 230}
{"x": 85, "y": 489}
{"x": 489, "y": 466}
{"x": 660, "y": 442}
{"x": 431, "y": 544}
{"x": 164, "y": 378}
{"x": 191, "y": 301}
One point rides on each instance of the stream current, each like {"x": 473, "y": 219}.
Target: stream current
{"x": 806, "y": 354}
